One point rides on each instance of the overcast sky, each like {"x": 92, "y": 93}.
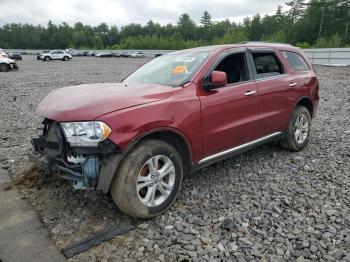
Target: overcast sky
{"x": 122, "y": 12}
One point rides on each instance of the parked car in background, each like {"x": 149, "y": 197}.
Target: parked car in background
{"x": 176, "y": 114}
{"x": 104, "y": 54}
{"x": 42, "y": 53}
{"x": 15, "y": 56}
{"x": 7, "y": 64}
{"x": 137, "y": 55}
{"x": 56, "y": 55}
{"x": 125, "y": 54}
{"x": 3, "y": 54}
{"x": 79, "y": 53}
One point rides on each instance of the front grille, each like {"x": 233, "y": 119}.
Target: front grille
{"x": 52, "y": 140}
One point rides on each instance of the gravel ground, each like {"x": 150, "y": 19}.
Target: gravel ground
{"x": 266, "y": 204}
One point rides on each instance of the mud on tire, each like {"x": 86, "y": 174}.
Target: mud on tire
{"x": 125, "y": 185}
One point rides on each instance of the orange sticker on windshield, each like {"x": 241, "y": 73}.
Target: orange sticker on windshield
{"x": 179, "y": 69}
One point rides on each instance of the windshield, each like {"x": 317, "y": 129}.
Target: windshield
{"x": 173, "y": 69}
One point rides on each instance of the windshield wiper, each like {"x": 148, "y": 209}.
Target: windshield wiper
{"x": 184, "y": 83}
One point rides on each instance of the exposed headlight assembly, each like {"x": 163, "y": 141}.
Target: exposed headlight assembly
{"x": 85, "y": 133}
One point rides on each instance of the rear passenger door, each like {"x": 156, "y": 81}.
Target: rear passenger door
{"x": 59, "y": 55}
{"x": 275, "y": 97}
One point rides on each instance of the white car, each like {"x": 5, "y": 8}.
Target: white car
{"x": 3, "y": 54}
{"x": 56, "y": 55}
{"x": 7, "y": 64}
{"x": 137, "y": 54}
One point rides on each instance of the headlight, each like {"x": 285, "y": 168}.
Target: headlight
{"x": 85, "y": 133}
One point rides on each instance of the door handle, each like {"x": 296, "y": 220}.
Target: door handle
{"x": 292, "y": 84}
{"x": 250, "y": 93}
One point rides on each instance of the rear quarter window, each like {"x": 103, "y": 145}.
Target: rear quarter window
{"x": 295, "y": 61}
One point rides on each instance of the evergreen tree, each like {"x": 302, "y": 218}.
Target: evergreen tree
{"x": 313, "y": 23}
{"x": 297, "y": 9}
{"x": 206, "y": 20}
{"x": 186, "y": 27}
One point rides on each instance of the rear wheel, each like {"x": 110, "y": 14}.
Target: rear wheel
{"x": 4, "y": 67}
{"x": 47, "y": 58}
{"x": 298, "y": 132}
{"x": 148, "y": 179}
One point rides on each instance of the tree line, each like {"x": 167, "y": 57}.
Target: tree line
{"x": 314, "y": 23}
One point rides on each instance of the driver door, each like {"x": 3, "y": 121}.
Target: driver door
{"x": 230, "y": 113}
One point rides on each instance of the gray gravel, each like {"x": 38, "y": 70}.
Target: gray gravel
{"x": 266, "y": 204}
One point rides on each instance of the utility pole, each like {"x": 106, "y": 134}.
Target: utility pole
{"x": 321, "y": 22}
{"x": 347, "y": 25}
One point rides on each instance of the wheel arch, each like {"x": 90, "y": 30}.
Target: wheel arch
{"x": 306, "y": 102}
{"x": 168, "y": 135}
{"x": 174, "y": 138}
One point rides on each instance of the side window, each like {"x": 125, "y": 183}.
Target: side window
{"x": 267, "y": 64}
{"x": 235, "y": 67}
{"x": 295, "y": 61}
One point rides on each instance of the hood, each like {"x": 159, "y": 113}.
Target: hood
{"x": 6, "y": 60}
{"x": 89, "y": 101}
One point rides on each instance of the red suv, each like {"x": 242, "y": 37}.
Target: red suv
{"x": 174, "y": 115}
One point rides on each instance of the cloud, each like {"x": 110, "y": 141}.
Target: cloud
{"x": 122, "y": 12}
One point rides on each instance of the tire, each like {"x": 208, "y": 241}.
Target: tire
{"x": 137, "y": 165}
{"x": 294, "y": 140}
{"x": 66, "y": 58}
{"x": 4, "y": 67}
{"x": 47, "y": 58}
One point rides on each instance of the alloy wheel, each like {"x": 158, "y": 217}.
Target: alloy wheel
{"x": 301, "y": 128}
{"x": 155, "y": 180}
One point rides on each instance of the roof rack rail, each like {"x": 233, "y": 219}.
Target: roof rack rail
{"x": 263, "y": 42}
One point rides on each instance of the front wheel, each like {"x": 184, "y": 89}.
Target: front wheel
{"x": 66, "y": 58}
{"x": 298, "y": 133}
{"x": 47, "y": 58}
{"x": 4, "y": 67}
{"x": 148, "y": 179}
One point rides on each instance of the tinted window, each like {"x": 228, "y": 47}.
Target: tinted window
{"x": 295, "y": 61}
{"x": 267, "y": 64}
{"x": 235, "y": 68}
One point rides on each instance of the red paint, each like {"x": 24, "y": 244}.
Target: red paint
{"x": 89, "y": 101}
{"x": 218, "y": 78}
{"x": 209, "y": 121}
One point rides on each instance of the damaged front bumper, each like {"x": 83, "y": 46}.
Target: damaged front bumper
{"x": 86, "y": 167}
{"x": 84, "y": 175}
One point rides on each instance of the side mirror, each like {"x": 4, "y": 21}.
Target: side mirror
{"x": 217, "y": 79}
